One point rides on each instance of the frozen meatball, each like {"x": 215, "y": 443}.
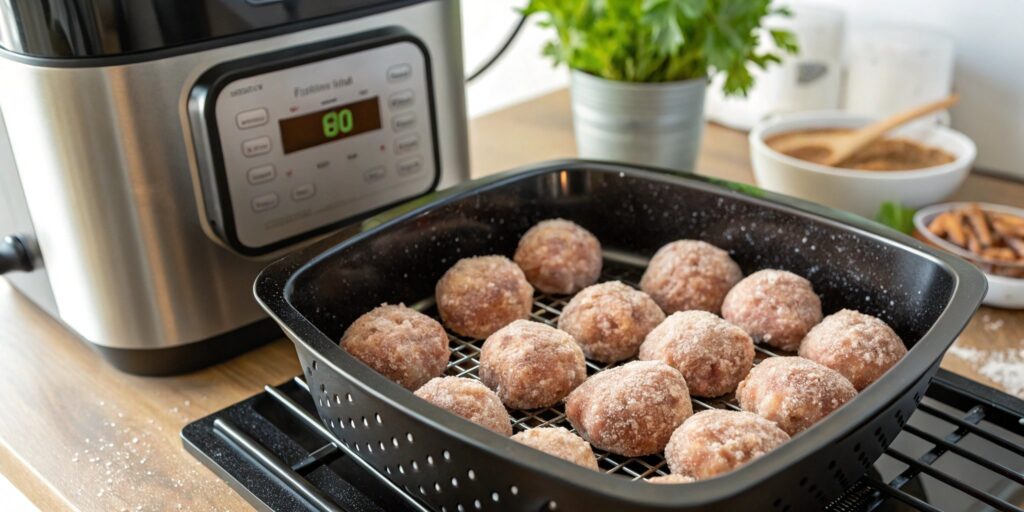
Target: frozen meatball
{"x": 400, "y": 343}
{"x": 559, "y": 256}
{"x": 715, "y": 441}
{"x": 712, "y": 354}
{"x": 859, "y": 346}
{"x": 480, "y": 295}
{"x": 631, "y": 409}
{"x": 469, "y": 399}
{"x": 690, "y": 274}
{"x": 561, "y": 443}
{"x": 776, "y": 307}
{"x": 671, "y": 479}
{"x": 531, "y": 365}
{"x": 793, "y": 392}
{"x": 610, "y": 320}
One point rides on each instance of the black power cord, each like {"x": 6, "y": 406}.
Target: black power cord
{"x": 14, "y": 255}
{"x": 497, "y": 55}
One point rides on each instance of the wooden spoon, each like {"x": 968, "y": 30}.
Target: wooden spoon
{"x": 843, "y": 145}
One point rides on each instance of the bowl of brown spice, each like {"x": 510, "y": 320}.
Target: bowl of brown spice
{"x": 991, "y": 236}
{"x": 914, "y": 166}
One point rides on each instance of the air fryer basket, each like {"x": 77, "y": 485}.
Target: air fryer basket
{"x": 454, "y": 465}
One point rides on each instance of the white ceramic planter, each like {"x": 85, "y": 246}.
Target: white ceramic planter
{"x": 656, "y": 124}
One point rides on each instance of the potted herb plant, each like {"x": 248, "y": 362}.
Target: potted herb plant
{"x": 639, "y": 69}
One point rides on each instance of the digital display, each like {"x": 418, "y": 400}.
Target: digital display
{"x": 329, "y": 125}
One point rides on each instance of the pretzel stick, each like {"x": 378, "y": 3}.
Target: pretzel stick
{"x": 1007, "y": 230}
{"x": 1017, "y": 244}
{"x": 972, "y": 241}
{"x": 938, "y": 225}
{"x": 955, "y": 229}
{"x": 1012, "y": 220}
{"x": 977, "y": 220}
{"x": 999, "y": 253}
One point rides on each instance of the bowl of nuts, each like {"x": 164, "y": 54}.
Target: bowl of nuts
{"x": 991, "y": 236}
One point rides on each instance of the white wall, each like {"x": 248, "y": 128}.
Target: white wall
{"x": 522, "y": 73}
{"x": 989, "y": 71}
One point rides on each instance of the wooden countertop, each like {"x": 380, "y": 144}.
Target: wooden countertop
{"x": 77, "y": 434}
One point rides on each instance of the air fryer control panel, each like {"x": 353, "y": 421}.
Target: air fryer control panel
{"x": 302, "y": 141}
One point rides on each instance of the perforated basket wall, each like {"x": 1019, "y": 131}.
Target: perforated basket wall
{"x": 453, "y": 465}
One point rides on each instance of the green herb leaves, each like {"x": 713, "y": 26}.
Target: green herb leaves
{"x": 896, "y": 216}
{"x": 661, "y": 40}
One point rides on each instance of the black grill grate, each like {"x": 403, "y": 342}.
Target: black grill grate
{"x": 961, "y": 450}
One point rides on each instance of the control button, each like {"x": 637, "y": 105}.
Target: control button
{"x": 403, "y": 122}
{"x": 409, "y": 166}
{"x": 264, "y": 202}
{"x": 261, "y": 174}
{"x": 399, "y": 73}
{"x": 407, "y": 144}
{"x": 252, "y": 118}
{"x": 374, "y": 175}
{"x": 256, "y": 147}
{"x": 303, "y": 192}
{"x": 401, "y": 99}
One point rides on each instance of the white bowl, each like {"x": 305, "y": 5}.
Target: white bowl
{"x": 861, "y": 192}
{"x": 1003, "y": 291}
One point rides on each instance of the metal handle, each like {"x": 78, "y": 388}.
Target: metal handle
{"x": 14, "y": 255}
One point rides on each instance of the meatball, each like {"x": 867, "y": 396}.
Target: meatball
{"x": 859, "y": 346}
{"x": 715, "y": 441}
{"x": 793, "y": 392}
{"x": 561, "y": 443}
{"x": 531, "y": 365}
{"x": 558, "y": 256}
{"x": 712, "y": 354}
{"x": 610, "y": 320}
{"x": 480, "y": 295}
{"x": 400, "y": 343}
{"x": 631, "y": 409}
{"x": 671, "y": 479}
{"x": 776, "y": 307}
{"x": 690, "y": 274}
{"x": 469, "y": 399}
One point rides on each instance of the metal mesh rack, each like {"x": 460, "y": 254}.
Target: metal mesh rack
{"x": 465, "y": 361}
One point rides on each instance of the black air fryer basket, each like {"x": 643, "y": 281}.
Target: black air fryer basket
{"x": 453, "y": 465}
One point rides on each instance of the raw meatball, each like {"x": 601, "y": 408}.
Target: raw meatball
{"x": 671, "y": 479}
{"x": 715, "y": 441}
{"x": 793, "y": 392}
{"x": 774, "y": 306}
{"x": 531, "y": 365}
{"x": 561, "y": 443}
{"x": 859, "y": 346}
{"x": 711, "y": 353}
{"x": 469, "y": 399}
{"x": 400, "y": 343}
{"x": 631, "y": 409}
{"x": 480, "y": 295}
{"x": 559, "y": 256}
{"x": 690, "y": 274}
{"x": 610, "y": 320}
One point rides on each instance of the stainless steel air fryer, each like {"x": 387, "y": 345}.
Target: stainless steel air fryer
{"x": 154, "y": 155}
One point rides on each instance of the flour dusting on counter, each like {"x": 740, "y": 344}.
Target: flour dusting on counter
{"x": 1005, "y": 367}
